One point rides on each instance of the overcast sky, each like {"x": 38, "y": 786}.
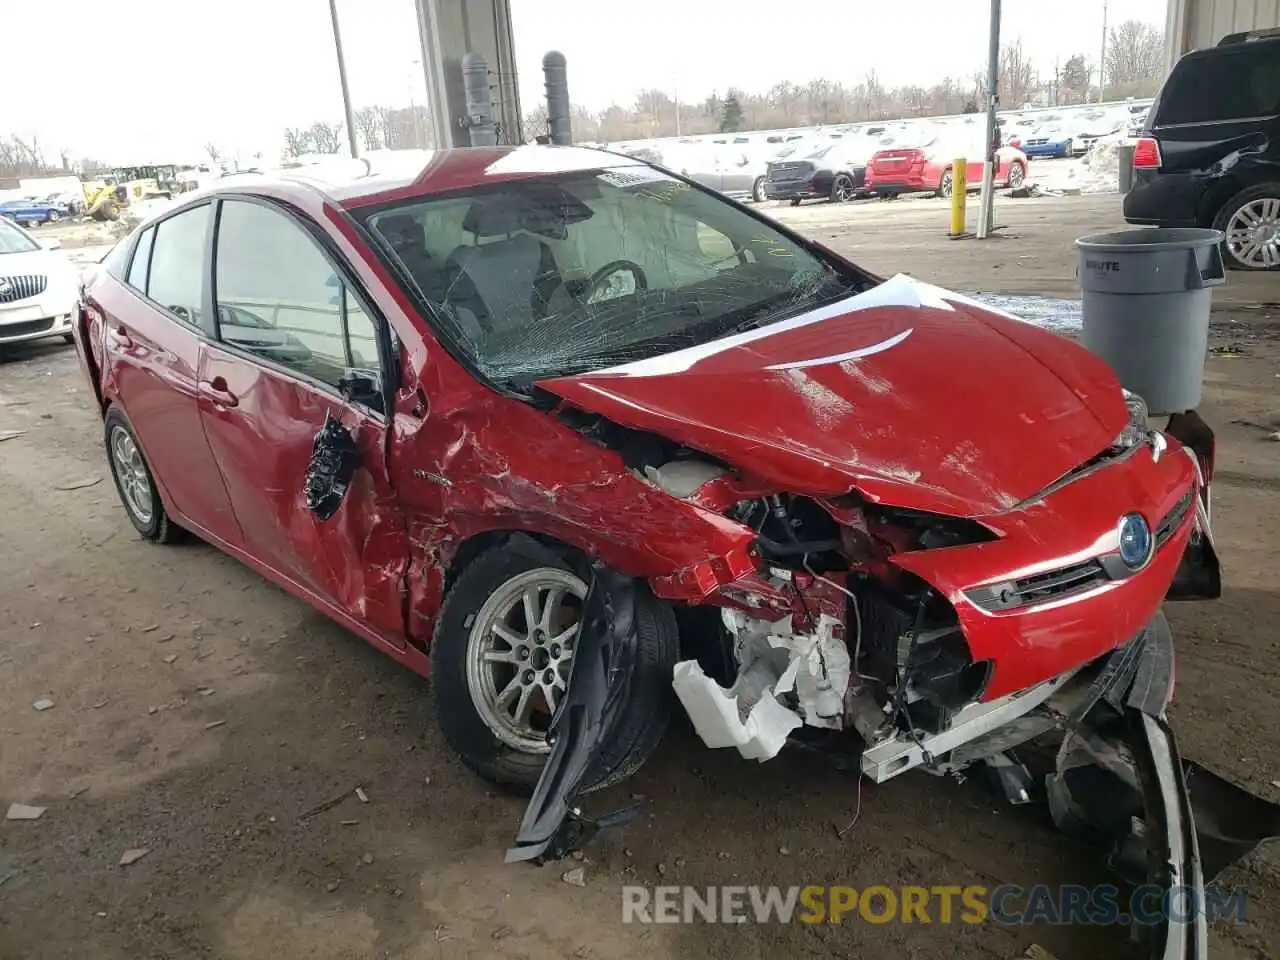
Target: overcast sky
{"x": 168, "y": 76}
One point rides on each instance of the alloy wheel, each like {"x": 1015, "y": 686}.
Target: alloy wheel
{"x": 1253, "y": 233}
{"x": 131, "y": 472}
{"x": 1016, "y": 175}
{"x": 844, "y": 189}
{"x": 519, "y": 653}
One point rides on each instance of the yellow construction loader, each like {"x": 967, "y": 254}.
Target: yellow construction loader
{"x": 104, "y": 200}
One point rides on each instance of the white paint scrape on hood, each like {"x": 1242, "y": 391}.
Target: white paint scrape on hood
{"x": 899, "y": 290}
{"x": 773, "y": 661}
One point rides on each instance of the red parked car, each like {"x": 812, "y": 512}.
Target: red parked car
{"x": 565, "y": 431}
{"x": 927, "y": 168}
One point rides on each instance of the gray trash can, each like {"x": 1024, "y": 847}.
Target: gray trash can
{"x": 1146, "y": 301}
{"x": 1124, "y": 157}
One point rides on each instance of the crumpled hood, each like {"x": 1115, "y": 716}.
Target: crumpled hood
{"x": 913, "y": 395}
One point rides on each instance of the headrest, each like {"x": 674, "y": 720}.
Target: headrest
{"x": 401, "y": 230}
{"x": 496, "y": 216}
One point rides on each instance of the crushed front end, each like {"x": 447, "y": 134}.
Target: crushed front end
{"x": 944, "y": 642}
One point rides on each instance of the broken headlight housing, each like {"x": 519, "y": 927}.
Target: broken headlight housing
{"x": 1136, "y": 430}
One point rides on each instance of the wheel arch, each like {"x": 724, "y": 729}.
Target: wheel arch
{"x": 1226, "y": 188}
{"x": 1216, "y": 196}
{"x": 555, "y": 549}
{"x": 113, "y": 405}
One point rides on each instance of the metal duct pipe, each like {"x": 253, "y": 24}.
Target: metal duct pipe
{"x": 475, "y": 82}
{"x": 557, "y": 80}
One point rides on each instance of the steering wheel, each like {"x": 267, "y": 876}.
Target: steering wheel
{"x": 602, "y": 283}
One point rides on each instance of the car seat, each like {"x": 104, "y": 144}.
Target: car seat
{"x": 507, "y": 275}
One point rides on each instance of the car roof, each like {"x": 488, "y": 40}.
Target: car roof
{"x": 389, "y": 175}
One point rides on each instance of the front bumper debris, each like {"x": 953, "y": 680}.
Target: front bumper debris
{"x": 1120, "y": 784}
{"x": 1118, "y": 781}
{"x": 553, "y": 827}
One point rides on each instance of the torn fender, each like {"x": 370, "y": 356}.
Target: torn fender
{"x": 599, "y": 682}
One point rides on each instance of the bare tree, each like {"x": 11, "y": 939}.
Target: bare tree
{"x": 326, "y": 137}
{"x": 406, "y": 128}
{"x": 1017, "y": 76}
{"x": 297, "y": 141}
{"x": 370, "y": 127}
{"x": 537, "y": 123}
{"x": 212, "y": 150}
{"x": 1135, "y": 55}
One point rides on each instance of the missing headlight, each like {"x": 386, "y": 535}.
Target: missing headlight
{"x": 1136, "y": 431}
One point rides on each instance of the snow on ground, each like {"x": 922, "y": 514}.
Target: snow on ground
{"x": 1098, "y": 171}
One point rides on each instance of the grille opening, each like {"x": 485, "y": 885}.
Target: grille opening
{"x": 1053, "y": 585}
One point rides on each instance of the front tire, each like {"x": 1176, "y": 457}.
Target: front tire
{"x": 135, "y": 483}
{"x": 1017, "y": 174}
{"x": 757, "y": 191}
{"x": 500, "y": 666}
{"x": 795, "y": 202}
{"x": 946, "y": 185}
{"x": 1250, "y": 222}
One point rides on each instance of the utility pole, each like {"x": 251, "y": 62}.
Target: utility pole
{"x": 1102, "y": 57}
{"x": 342, "y": 79}
{"x": 987, "y": 206}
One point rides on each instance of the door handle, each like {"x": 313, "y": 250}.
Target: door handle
{"x": 217, "y": 390}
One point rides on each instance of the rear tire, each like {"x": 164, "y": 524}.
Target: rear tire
{"x": 946, "y": 185}
{"x": 841, "y": 188}
{"x": 795, "y": 202}
{"x": 1245, "y": 216}
{"x": 135, "y": 483}
{"x": 463, "y": 721}
{"x": 1017, "y": 174}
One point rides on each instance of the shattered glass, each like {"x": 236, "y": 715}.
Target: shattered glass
{"x": 590, "y": 270}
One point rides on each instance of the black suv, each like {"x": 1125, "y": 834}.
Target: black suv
{"x": 1209, "y": 155}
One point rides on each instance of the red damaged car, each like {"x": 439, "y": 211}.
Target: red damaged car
{"x": 583, "y": 440}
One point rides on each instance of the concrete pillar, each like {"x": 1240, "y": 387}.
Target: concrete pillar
{"x": 450, "y": 29}
{"x": 1175, "y": 32}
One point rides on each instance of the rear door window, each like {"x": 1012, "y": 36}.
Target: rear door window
{"x": 1230, "y": 83}
{"x": 141, "y": 261}
{"x": 176, "y": 279}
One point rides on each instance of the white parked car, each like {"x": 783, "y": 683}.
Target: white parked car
{"x": 39, "y": 287}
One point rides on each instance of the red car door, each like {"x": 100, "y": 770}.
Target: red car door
{"x": 290, "y": 329}
{"x": 150, "y": 351}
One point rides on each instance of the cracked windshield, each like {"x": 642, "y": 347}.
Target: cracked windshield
{"x": 594, "y": 269}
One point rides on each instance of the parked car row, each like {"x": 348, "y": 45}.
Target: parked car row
{"x": 34, "y": 211}
{"x": 881, "y": 159}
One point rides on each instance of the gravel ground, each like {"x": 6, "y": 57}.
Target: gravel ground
{"x": 205, "y": 717}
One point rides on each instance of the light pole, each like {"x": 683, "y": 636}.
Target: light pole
{"x": 987, "y": 205}
{"x": 1102, "y": 57}
{"x": 342, "y": 79}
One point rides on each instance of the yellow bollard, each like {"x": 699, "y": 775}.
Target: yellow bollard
{"x": 959, "y": 193}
